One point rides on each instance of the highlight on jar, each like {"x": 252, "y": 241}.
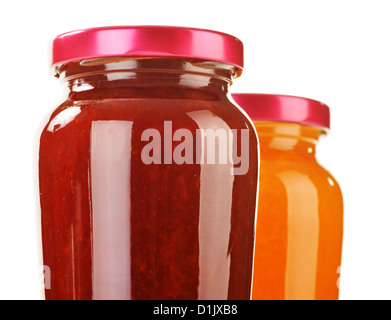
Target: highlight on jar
{"x": 299, "y": 224}
{"x": 148, "y": 172}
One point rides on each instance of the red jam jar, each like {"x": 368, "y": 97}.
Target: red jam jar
{"x": 300, "y": 214}
{"x": 147, "y": 171}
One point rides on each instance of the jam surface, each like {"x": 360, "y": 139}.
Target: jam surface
{"x": 300, "y": 218}
{"x": 114, "y": 227}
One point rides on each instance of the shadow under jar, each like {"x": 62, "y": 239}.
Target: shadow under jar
{"x": 132, "y": 205}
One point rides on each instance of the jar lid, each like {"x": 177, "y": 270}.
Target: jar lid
{"x": 282, "y": 108}
{"x": 147, "y": 41}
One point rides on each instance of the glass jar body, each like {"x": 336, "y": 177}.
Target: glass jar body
{"x": 128, "y": 210}
{"x": 300, "y": 218}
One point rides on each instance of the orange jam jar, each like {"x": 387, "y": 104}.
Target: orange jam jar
{"x": 300, "y": 208}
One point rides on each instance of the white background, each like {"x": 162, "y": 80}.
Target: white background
{"x": 335, "y": 51}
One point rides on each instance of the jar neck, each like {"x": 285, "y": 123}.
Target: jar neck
{"x": 109, "y": 74}
{"x": 282, "y": 141}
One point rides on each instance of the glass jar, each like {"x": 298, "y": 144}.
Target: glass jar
{"x": 300, "y": 209}
{"x": 133, "y": 203}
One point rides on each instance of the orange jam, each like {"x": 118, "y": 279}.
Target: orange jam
{"x": 300, "y": 209}
{"x": 299, "y": 224}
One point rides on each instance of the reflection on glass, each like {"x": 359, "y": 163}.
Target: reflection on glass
{"x": 214, "y": 222}
{"x": 302, "y": 236}
{"x": 110, "y": 190}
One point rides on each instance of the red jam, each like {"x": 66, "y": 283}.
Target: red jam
{"x": 114, "y": 227}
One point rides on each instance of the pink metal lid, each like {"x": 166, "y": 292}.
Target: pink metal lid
{"x": 147, "y": 41}
{"x": 272, "y": 107}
